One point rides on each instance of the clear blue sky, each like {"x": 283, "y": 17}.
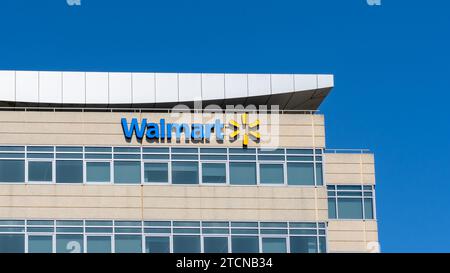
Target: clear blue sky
{"x": 391, "y": 67}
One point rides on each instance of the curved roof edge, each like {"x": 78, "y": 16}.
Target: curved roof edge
{"x": 111, "y": 89}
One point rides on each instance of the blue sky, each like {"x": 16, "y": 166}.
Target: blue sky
{"x": 391, "y": 65}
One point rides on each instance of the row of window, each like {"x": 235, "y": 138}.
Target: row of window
{"x": 160, "y": 237}
{"x": 351, "y": 202}
{"x": 135, "y": 165}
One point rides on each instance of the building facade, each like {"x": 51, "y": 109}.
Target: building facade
{"x": 173, "y": 162}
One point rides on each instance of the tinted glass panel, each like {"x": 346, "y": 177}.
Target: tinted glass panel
{"x": 350, "y": 208}
{"x": 300, "y": 173}
{"x": 214, "y": 173}
{"x": 71, "y": 243}
{"x": 127, "y": 172}
{"x": 368, "y": 208}
{"x": 271, "y": 173}
{"x": 157, "y": 245}
{"x": 215, "y": 244}
{"x": 184, "y": 173}
{"x": 98, "y": 244}
{"x": 331, "y": 208}
{"x": 304, "y": 244}
{"x": 274, "y": 245}
{"x": 40, "y": 244}
{"x": 98, "y": 172}
{"x": 128, "y": 244}
{"x": 156, "y": 172}
{"x": 12, "y": 243}
{"x": 40, "y": 171}
{"x": 319, "y": 174}
{"x": 245, "y": 244}
{"x": 186, "y": 244}
{"x": 69, "y": 171}
{"x": 12, "y": 171}
{"x": 242, "y": 173}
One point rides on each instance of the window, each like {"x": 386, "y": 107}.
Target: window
{"x": 156, "y": 172}
{"x": 69, "y": 171}
{"x": 127, "y": 172}
{"x": 157, "y": 245}
{"x": 98, "y": 171}
{"x": 350, "y": 202}
{"x": 98, "y": 244}
{"x": 186, "y": 244}
{"x": 214, "y": 173}
{"x": 40, "y": 244}
{"x": 215, "y": 244}
{"x": 274, "y": 245}
{"x": 128, "y": 243}
{"x": 12, "y": 170}
{"x": 303, "y": 244}
{"x": 300, "y": 173}
{"x": 271, "y": 173}
{"x": 40, "y": 171}
{"x": 12, "y": 243}
{"x": 242, "y": 173}
{"x": 245, "y": 244}
{"x": 184, "y": 172}
{"x": 70, "y": 243}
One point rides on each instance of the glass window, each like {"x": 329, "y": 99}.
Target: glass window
{"x": 184, "y": 172}
{"x": 70, "y": 243}
{"x": 128, "y": 243}
{"x": 350, "y": 208}
{"x": 40, "y": 244}
{"x": 12, "y": 170}
{"x": 274, "y": 245}
{"x": 127, "y": 172}
{"x": 215, "y": 244}
{"x": 40, "y": 171}
{"x": 214, "y": 173}
{"x": 300, "y": 173}
{"x": 98, "y": 244}
{"x": 157, "y": 245}
{"x": 368, "y": 208}
{"x": 319, "y": 174}
{"x": 242, "y": 173}
{"x": 332, "y": 208}
{"x": 271, "y": 173}
{"x": 245, "y": 244}
{"x": 69, "y": 171}
{"x": 186, "y": 244}
{"x": 98, "y": 172}
{"x": 12, "y": 243}
{"x": 303, "y": 244}
{"x": 156, "y": 172}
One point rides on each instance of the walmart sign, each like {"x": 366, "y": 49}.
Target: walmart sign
{"x": 196, "y": 131}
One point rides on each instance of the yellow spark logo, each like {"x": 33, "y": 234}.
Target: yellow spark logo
{"x": 247, "y": 129}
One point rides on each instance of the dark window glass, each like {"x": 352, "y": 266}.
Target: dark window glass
{"x": 215, "y": 244}
{"x": 186, "y": 244}
{"x": 157, "y": 245}
{"x": 12, "y": 243}
{"x": 69, "y": 171}
{"x": 40, "y": 171}
{"x": 156, "y": 172}
{"x": 243, "y": 173}
{"x": 303, "y": 244}
{"x": 368, "y": 208}
{"x": 40, "y": 244}
{"x": 332, "y": 208}
{"x": 245, "y": 244}
{"x": 274, "y": 245}
{"x": 271, "y": 173}
{"x": 98, "y": 244}
{"x": 98, "y": 172}
{"x": 214, "y": 173}
{"x": 300, "y": 173}
{"x": 350, "y": 208}
{"x": 128, "y": 243}
{"x": 127, "y": 172}
{"x": 184, "y": 172}
{"x": 70, "y": 243}
{"x": 12, "y": 171}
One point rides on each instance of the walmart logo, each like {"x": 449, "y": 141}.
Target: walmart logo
{"x": 246, "y": 129}
{"x": 163, "y": 131}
